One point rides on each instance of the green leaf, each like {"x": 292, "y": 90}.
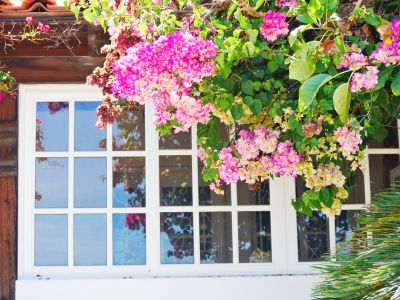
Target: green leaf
{"x": 248, "y": 100}
{"x": 220, "y": 43}
{"x": 373, "y": 20}
{"x": 306, "y": 19}
{"x": 301, "y": 69}
{"x": 237, "y": 112}
{"x": 325, "y": 197}
{"x": 396, "y": 85}
{"x": 209, "y": 175}
{"x": 273, "y": 66}
{"x": 257, "y": 107}
{"x": 248, "y": 87}
{"x": 341, "y": 101}
{"x": 310, "y": 88}
{"x": 252, "y": 33}
{"x": 383, "y": 77}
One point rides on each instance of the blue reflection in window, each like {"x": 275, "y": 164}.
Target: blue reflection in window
{"x": 51, "y": 186}
{"x": 52, "y": 126}
{"x": 90, "y": 182}
{"x": 90, "y": 239}
{"x": 87, "y": 136}
{"x": 176, "y": 238}
{"x": 129, "y": 239}
{"x": 51, "y": 235}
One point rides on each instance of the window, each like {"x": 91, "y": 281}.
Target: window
{"x": 122, "y": 202}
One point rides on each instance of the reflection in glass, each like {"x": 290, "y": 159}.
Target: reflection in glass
{"x": 181, "y": 140}
{"x": 51, "y": 183}
{"x": 90, "y": 182}
{"x": 128, "y": 131}
{"x": 312, "y": 236}
{"x": 357, "y": 194}
{"x": 209, "y": 197}
{"x": 392, "y": 139}
{"x": 176, "y": 180}
{"x": 129, "y": 186}
{"x": 215, "y": 237}
{"x": 87, "y": 136}
{"x": 176, "y": 238}
{"x": 51, "y": 240}
{"x": 384, "y": 170}
{"x": 90, "y": 240}
{"x": 257, "y": 194}
{"x": 129, "y": 239}
{"x": 254, "y": 237}
{"x": 52, "y": 126}
{"x": 345, "y": 223}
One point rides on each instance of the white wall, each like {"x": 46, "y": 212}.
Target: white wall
{"x": 297, "y": 287}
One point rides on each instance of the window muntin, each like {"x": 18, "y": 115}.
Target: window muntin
{"x": 112, "y": 192}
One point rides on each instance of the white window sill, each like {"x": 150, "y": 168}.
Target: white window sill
{"x": 285, "y": 287}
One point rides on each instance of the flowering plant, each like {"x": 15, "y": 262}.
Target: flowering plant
{"x": 301, "y": 86}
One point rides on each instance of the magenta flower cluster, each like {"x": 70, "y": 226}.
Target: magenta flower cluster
{"x": 389, "y": 54}
{"x": 257, "y": 154}
{"x": 353, "y": 61}
{"x": 165, "y": 71}
{"x": 348, "y": 139}
{"x": 367, "y": 80}
{"x": 274, "y": 26}
{"x": 286, "y": 3}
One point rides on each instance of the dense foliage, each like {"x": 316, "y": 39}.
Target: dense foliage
{"x": 367, "y": 265}
{"x": 301, "y": 86}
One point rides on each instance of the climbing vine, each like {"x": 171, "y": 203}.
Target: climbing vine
{"x": 302, "y": 87}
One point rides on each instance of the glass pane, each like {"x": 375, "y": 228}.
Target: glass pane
{"x": 384, "y": 170}
{"x": 90, "y": 182}
{"x": 129, "y": 239}
{"x": 176, "y": 180}
{"x": 357, "y": 194}
{"x": 128, "y": 131}
{"x": 312, "y": 236}
{"x": 51, "y": 183}
{"x": 209, "y": 197}
{"x": 254, "y": 237}
{"x": 87, "y": 136}
{"x": 51, "y": 240}
{"x": 181, "y": 140}
{"x": 391, "y": 141}
{"x": 176, "y": 238}
{"x": 52, "y": 126}
{"x": 129, "y": 183}
{"x": 90, "y": 240}
{"x": 257, "y": 194}
{"x": 215, "y": 237}
{"x": 345, "y": 223}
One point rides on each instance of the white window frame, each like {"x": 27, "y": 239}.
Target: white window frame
{"x": 282, "y": 191}
{"x": 28, "y": 97}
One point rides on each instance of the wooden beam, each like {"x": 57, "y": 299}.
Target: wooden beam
{"x": 51, "y": 69}
{"x": 8, "y": 233}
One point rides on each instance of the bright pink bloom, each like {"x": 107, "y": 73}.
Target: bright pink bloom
{"x": 286, "y": 3}
{"x": 396, "y": 30}
{"x": 353, "y": 61}
{"x": 229, "y": 170}
{"x": 285, "y": 159}
{"x": 40, "y": 26}
{"x": 367, "y": 80}
{"x": 46, "y": 28}
{"x": 29, "y": 20}
{"x": 274, "y": 26}
{"x": 348, "y": 139}
{"x": 387, "y": 54}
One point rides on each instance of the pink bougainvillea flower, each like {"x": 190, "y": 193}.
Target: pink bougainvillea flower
{"x": 367, "y": 80}
{"x": 387, "y": 54}
{"x": 46, "y": 28}
{"x": 396, "y": 30}
{"x": 349, "y": 140}
{"x": 40, "y": 26}
{"x": 2, "y": 96}
{"x": 274, "y": 26}
{"x": 29, "y": 20}
{"x": 353, "y": 61}
{"x": 286, "y": 3}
